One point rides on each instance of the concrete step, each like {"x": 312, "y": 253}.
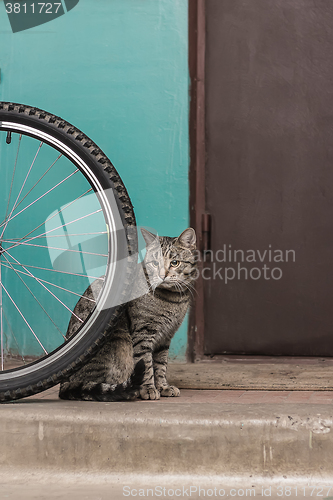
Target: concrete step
{"x": 178, "y": 438}
{"x": 32, "y": 485}
{"x": 255, "y": 373}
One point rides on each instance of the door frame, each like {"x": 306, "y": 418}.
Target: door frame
{"x": 197, "y": 131}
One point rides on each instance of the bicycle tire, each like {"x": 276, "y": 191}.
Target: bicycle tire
{"x": 75, "y": 145}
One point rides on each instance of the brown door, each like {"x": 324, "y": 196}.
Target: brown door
{"x": 269, "y": 177}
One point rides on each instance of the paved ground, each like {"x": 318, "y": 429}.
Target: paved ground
{"x": 254, "y": 373}
{"x": 163, "y": 487}
{"x": 238, "y": 397}
{"x": 280, "y": 440}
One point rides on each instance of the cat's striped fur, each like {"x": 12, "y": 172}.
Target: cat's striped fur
{"x": 133, "y": 360}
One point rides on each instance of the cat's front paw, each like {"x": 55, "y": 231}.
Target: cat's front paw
{"x": 169, "y": 391}
{"x": 149, "y": 392}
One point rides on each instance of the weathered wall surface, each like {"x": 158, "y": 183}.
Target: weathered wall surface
{"x": 118, "y": 71}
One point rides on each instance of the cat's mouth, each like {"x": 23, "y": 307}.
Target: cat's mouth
{"x": 167, "y": 284}
{"x": 172, "y": 285}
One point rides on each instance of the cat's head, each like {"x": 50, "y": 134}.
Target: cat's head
{"x": 171, "y": 262}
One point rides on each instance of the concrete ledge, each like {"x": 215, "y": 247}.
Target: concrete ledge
{"x": 255, "y": 373}
{"x": 150, "y": 438}
{"x": 32, "y": 485}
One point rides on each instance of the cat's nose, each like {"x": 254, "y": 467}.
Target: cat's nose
{"x": 161, "y": 275}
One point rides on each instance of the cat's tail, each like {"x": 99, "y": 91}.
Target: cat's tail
{"x": 125, "y": 391}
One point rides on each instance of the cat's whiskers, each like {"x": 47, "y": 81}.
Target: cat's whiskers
{"x": 178, "y": 287}
{"x": 155, "y": 282}
{"x": 151, "y": 288}
{"x": 188, "y": 286}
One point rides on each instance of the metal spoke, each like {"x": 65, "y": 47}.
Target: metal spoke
{"x": 12, "y": 182}
{"x": 76, "y": 234}
{"x": 34, "y": 296}
{"x": 49, "y": 283}
{"x": 22, "y": 316}
{"x": 62, "y": 272}
{"x": 33, "y": 187}
{"x": 42, "y": 284}
{"x": 62, "y": 220}
{"x": 10, "y": 328}
{"x": 54, "y": 215}
{"x": 58, "y": 227}
{"x": 11, "y": 240}
{"x": 39, "y": 198}
{"x": 25, "y": 180}
{"x": 1, "y": 318}
{"x": 63, "y": 249}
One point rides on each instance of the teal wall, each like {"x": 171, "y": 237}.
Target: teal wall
{"x": 118, "y": 70}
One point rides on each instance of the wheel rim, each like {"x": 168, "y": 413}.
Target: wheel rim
{"x": 51, "y": 199}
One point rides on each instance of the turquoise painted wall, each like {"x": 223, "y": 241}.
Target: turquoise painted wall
{"x": 118, "y": 70}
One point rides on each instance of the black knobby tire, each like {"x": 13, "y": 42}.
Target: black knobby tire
{"x": 38, "y": 376}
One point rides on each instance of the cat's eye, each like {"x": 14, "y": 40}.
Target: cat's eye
{"x": 174, "y": 263}
{"x": 155, "y": 263}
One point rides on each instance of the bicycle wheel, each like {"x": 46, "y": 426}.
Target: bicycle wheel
{"x": 67, "y": 223}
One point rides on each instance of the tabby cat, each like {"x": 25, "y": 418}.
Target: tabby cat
{"x": 133, "y": 360}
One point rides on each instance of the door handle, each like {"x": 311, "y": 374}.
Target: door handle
{"x": 206, "y": 232}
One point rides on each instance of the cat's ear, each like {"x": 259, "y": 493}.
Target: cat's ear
{"x": 188, "y": 238}
{"x": 148, "y": 237}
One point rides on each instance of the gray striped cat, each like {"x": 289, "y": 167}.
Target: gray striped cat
{"x": 133, "y": 360}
